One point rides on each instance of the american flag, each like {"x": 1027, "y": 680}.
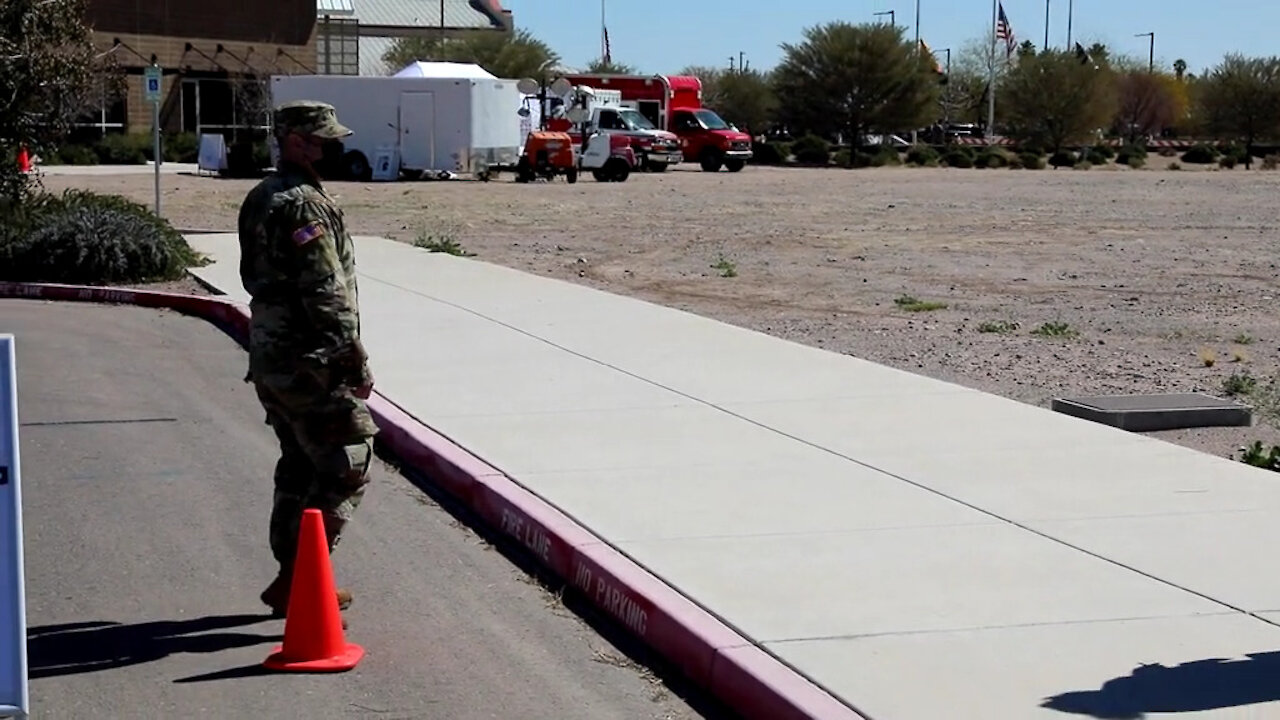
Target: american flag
{"x": 1004, "y": 32}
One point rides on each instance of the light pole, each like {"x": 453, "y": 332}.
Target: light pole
{"x": 946, "y": 97}
{"x": 1151, "y": 61}
{"x": 1046, "y": 26}
{"x": 890, "y": 13}
{"x": 917, "y": 26}
{"x": 1070, "y": 14}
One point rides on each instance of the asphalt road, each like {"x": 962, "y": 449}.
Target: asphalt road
{"x": 146, "y": 480}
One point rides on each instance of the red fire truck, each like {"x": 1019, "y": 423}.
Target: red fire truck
{"x": 674, "y": 103}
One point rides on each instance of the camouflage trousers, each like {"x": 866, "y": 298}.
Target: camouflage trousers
{"x": 323, "y": 470}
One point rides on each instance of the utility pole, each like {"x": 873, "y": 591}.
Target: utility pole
{"x": 892, "y": 17}
{"x": 1151, "y": 61}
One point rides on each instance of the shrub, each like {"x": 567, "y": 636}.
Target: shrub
{"x": 842, "y": 158}
{"x": 1136, "y": 162}
{"x": 812, "y": 150}
{"x": 1105, "y": 151}
{"x": 1270, "y": 162}
{"x": 1031, "y": 161}
{"x": 74, "y": 155}
{"x": 1200, "y": 155}
{"x": 957, "y": 159}
{"x": 124, "y": 149}
{"x": 1128, "y": 152}
{"x": 1096, "y": 156}
{"x": 181, "y": 148}
{"x": 990, "y": 158}
{"x": 770, "y": 153}
{"x": 886, "y": 156}
{"x": 1227, "y": 161}
{"x": 85, "y": 238}
{"x": 1063, "y": 158}
{"x": 922, "y": 155}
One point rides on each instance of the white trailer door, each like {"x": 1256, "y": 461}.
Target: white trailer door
{"x": 417, "y": 130}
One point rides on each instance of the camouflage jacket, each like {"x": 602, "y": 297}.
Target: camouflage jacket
{"x": 297, "y": 262}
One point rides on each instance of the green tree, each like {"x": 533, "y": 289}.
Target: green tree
{"x": 600, "y": 66}
{"x": 1055, "y": 98}
{"x": 855, "y": 79}
{"x": 507, "y": 55}
{"x": 1240, "y": 98}
{"x": 47, "y": 78}
{"x": 742, "y": 97}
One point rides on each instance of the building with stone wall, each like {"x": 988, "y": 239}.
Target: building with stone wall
{"x": 217, "y": 56}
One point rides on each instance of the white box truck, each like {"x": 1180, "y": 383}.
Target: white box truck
{"x": 416, "y": 125}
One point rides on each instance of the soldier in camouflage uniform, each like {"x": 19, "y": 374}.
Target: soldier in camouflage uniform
{"x": 306, "y": 359}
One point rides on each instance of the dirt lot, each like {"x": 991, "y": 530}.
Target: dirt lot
{"x": 1169, "y": 278}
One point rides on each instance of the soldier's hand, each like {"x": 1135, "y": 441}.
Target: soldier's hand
{"x": 364, "y": 391}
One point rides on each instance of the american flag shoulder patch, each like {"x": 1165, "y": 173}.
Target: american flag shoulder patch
{"x": 307, "y": 233}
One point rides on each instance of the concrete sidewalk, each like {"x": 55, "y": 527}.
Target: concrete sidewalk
{"x": 916, "y": 548}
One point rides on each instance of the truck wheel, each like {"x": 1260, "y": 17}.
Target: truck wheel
{"x": 734, "y": 165}
{"x": 524, "y": 171}
{"x": 358, "y": 166}
{"x": 710, "y": 160}
{"x": 618, "y": 169}
{"x": 571, "y": 175}
{"x": 600, "y": 175}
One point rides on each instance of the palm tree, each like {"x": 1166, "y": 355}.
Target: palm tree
{"x": 1180, "y": 67}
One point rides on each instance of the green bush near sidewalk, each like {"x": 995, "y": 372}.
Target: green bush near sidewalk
{"x": 86, "y": 238}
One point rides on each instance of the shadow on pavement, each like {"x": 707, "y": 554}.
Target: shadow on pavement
{"x": 69, "y": 649}
{"x": 1194, "y": 686}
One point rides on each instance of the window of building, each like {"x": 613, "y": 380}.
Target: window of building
{"x": 337, "y": 46}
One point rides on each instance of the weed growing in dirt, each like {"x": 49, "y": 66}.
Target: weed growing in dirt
{"x": 442, "y": 239}
{"x": 911, "y": 304}
{"x": 1256, "y": 456}
{"x": 1207, "y": 356}
{"x": 726, "y": 267}
{"x": 1055, "y": 330}
{"x": 1000, "y": 327}
{"x": 1243, "y": 339}
{"x": 1238, "y": 384}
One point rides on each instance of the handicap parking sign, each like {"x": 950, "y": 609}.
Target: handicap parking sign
{"x": 151, "y": 86}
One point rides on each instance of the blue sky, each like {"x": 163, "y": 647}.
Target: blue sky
{"x": 662, "y": 36}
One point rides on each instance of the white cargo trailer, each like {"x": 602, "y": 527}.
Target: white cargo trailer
{"x": 416, "y": 125}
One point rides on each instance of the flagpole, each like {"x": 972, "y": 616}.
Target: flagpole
{"x": 991, "y": 79}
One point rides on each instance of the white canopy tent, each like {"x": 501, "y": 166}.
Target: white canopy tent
{"x": 450, "y": 70}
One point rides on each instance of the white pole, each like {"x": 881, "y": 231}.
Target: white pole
{"x": 991, "y": 79}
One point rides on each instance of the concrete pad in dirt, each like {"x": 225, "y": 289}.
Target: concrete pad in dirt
{"x": 908, "y": 544}
{"x": 147, "y": 476}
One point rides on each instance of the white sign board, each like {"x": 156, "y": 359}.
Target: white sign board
{"x": 213, "y": 153}
{"x": 151, "y": 85}
{"x": 13, "y": 603}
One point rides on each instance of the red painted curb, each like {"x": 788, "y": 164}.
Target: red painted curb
{"x": 709, "y": 652}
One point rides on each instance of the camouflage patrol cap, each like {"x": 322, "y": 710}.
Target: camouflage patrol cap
{"x": 309, "y": 117}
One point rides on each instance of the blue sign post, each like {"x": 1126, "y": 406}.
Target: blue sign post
{"x": 13, "y": 594}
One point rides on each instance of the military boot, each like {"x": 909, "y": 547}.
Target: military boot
{"x": 276, "y": 596}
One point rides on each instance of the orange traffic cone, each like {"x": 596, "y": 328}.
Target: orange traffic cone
{"x": 313, "y": 636}
{"x": 24, "y": 160}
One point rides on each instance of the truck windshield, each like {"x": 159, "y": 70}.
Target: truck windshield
{"x": 635, "y": 121}
{"x": 710, "y": 120}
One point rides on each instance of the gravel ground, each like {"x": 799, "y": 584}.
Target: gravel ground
{"x": 1166, "y": 280}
